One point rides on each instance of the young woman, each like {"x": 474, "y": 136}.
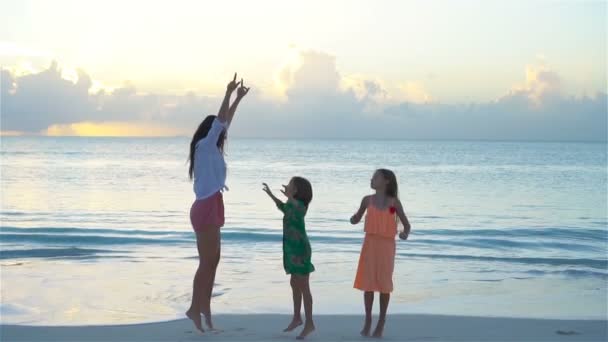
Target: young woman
{"x": 208, "y": 170}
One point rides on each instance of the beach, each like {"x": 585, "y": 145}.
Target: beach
{"x": 257, "y": 327}
{"x": 513, "y": 230}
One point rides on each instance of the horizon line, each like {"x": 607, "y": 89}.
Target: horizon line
{"x": 314, "y": 138}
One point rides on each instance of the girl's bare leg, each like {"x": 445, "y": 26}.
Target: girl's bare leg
{"x": 297, "y": 305}
{"x": 384, "y": 299}
{"x": 304, "y": 285}
{"x": 368, "y": 299}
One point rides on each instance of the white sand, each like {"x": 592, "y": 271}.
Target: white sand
{"x": 258, "y": 327}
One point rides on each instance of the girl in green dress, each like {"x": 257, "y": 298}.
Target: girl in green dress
{"x": 296, "y": 248}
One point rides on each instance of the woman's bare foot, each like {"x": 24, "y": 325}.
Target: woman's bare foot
{"x": 196, "y": 319}
{"x": 366, "y": 327}
{"x": 379, "y": 329}
{"x": 296, "y": 322}
{"x": 308, "y": 328}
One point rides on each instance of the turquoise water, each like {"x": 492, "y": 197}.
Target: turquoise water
{"x": 96, "y": 230}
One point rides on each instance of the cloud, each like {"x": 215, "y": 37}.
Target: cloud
{"x": 316, "y": 102}
{"x": 541, "y": 85}
{"x": 414, "y": 92}
{"x": 315, "y": 75}
{"x": 321, "y": 103}
{"x": 36, "y": 101}
{"x": 47, "y": 103}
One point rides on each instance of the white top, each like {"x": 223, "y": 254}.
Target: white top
{"x": 209, "y": 164}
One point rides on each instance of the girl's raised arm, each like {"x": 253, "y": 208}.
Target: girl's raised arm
{"x": 277, "y": 201}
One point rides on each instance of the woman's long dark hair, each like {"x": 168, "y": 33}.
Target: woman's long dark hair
{"x": 392, "y": 189}
{"x": 201, "y": 132}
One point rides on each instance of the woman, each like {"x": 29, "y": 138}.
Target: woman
{"x": 208, "y": 169}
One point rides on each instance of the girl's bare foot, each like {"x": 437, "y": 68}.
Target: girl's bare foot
{"x": 296, "y": 322}
{"x": 366, "y": 327}
{"x": 308, "y": 328}
{"x": 209, "y": 323}
{"x": 379, "y": 329}
{"x": 196, "y": 319}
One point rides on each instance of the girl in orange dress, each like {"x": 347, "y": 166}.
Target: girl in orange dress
{"x": 377, "y": 259}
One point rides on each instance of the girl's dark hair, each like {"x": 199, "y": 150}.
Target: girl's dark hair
{"x": 392, "y": 189}
{"x": 201, "y": 132}
{"x": 303, "y": 190}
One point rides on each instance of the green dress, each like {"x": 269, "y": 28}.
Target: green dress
{"x": 296, "y": 247}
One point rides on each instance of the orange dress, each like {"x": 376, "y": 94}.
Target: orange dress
{"x": 377, "y": 259}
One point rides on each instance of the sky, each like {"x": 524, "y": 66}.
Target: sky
{"x": 491, "y": 70}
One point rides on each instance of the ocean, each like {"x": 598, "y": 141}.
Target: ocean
{"x": 97, "y": 230}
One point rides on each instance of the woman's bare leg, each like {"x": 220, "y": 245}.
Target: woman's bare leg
{"x": 194, "y": 311}
{"x": 210, "y": 287}
{"x": 208, "y": 245}
{"x": 211, "y": 248}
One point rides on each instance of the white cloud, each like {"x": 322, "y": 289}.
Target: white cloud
{"x": 318, "y": 102}
{"x": 414, "y": 92}
{"x": 540, "y": 85}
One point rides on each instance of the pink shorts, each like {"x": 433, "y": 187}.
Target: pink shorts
{"x": 207, "y": 212}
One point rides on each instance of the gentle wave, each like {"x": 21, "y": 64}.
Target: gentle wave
{"x": 53, "y": 253}
{"x": 571, "y": 273}
{"x": 556, "y": 233}
{"x": 510, "y": 244}
{"x": 564, "y": 233}
{"x": 592, "y": 240}
{"x": 531, "y": 274}
{"x": 449, "y": 241}
{"x": 593, "y": 263}
{"x": 76, "y": 237}
{"x": 87, "y": 239}
{"x": 88, "y": 231}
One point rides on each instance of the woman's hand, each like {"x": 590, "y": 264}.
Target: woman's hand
{"x": 232, "y": 84}
{"x": 242, "y": 90}
{"x": 403, "y": 235}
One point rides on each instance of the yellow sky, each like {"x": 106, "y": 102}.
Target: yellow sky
{"x": 110, "y": 129}
{"x": 419, "y": 51}
{"x": 178, "y": 45}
